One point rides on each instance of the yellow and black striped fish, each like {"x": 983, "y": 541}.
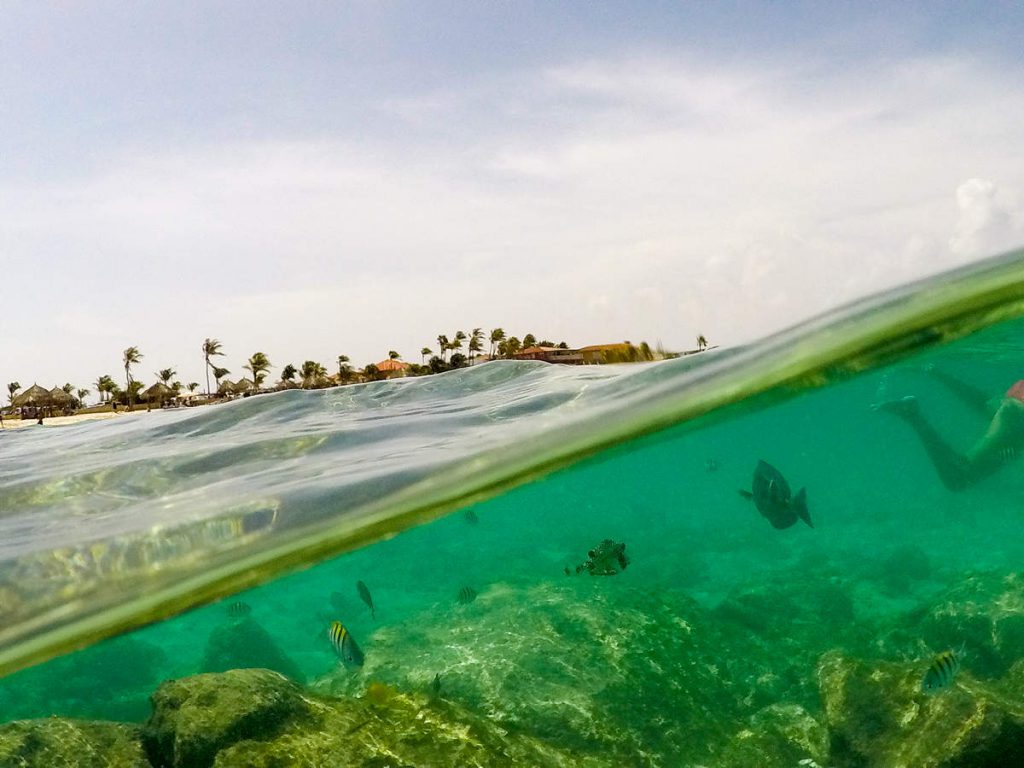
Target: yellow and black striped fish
{"x": 344, "y": 645}
{"x": 941, "y": 672}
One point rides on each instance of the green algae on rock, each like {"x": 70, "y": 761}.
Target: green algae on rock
{"x": 878, "y": 718}
{"x": 63, "y": 743}
{"x": 195, "y": 717}
{"x": 985, "y": 613}
{"x": 257, "y": 718}
{"x": 621, "y": 675}
{"x": 778, "y": 736}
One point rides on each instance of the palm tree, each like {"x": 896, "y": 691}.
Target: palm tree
{"x": 476, "y": 339}
{"x": 512, "y": 346}
{"x": 211, "y": 347}
{"x": 218, "y": 374}
{"x": 258, "y": 365}
{"x": 288, "y": 372}
{"x": 529, "y": 340}
{"x": 81, "y": 396}
{"x": 12, "y": 389}
{"x": 192, "y": 386}
{"x": 165, "y": 375}
{"x": 312, "y": 374}
{"x": 392, "y": 355}
{"x": 131, "y": 356}
{"x": 423, "y": 354}
{"x": 702, "y": 343}
{"x": 68, "y": 387}
{"x": 497, "y": 336}
{"x": 442, "y": 343}
{"x": 344, "y": 369}
{"x": 460, "y": 336}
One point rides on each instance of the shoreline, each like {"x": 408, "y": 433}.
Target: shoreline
{"x": 59, "y": 421}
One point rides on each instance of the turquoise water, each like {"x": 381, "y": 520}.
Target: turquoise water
{"x": 725, "y": 642}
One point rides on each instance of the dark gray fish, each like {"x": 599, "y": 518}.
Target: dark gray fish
{"x": 436, "y": 685}
{"x": 711, "y": 465}
{"x": 470, "y": 517}
{"x": 239, "y": 610}
{"x": 344, "y": 645}
{"x": 773, "y": 499}
{"x": 467, "y": 595}
{"x": 941, "y": 672}
{"x": 364, "y": 593}
{"x": 606, "y": 559}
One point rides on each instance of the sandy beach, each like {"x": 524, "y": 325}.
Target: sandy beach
{"x": 59, "y": 421}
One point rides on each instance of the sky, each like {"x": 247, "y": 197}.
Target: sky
{"x": 310, "y": 179}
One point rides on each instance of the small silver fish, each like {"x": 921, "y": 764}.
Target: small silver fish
{"x": 941, "y": 671}
{"x": 467, "y": 595}
{"x": 364, "y": 593}
{"x": 344, "y": 645}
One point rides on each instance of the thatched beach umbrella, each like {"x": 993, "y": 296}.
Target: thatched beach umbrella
{"x": 34, "y": 395}
{"x": 159, "y": 391}
{"x": 226, "y": 387}
{"x": 59, "y": 397}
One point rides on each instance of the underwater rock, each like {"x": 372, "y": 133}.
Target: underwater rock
{"x": 66, "y": 743}
{"x": 244, "y": 644}
{"x": 902, "y": 568}
{"x": 388, "y": 729}
{"x": 778, "y": 736}
{"x": 985, "y": 614}
{"x": 196, "y": 717}
{"x": 259, "y": 719}
{"x": 879, "y": 718}
{"x": 792, "y": 620}
{"x": 617, "y": 675}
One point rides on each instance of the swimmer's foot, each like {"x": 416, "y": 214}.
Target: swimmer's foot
{"x": 907, "y": 407}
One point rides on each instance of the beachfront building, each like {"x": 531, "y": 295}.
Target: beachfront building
{"x": 550, "y": 355}
{"x": 392, "y": 369}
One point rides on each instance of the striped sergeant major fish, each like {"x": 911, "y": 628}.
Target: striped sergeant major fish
{"x": 344, "y": 645}
{"x": 941, "y": 672}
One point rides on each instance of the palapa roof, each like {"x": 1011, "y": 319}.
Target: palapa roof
{"x": 34, "y": 395}
{"x": 158, "y": 390}
{"x": 58, "y": 395}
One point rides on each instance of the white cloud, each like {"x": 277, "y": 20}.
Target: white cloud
{"x": 640, "y": 199}
{"x": 988, "y": 222}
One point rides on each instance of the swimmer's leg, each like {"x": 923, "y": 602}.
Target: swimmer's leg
{"x": 1003, "y": 441}
{"x": 953, "y": 468}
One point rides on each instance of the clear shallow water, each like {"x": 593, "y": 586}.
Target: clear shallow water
{"x": 121, "y": 522}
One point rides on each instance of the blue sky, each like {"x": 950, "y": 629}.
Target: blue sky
{"x": 310, "y": 179}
